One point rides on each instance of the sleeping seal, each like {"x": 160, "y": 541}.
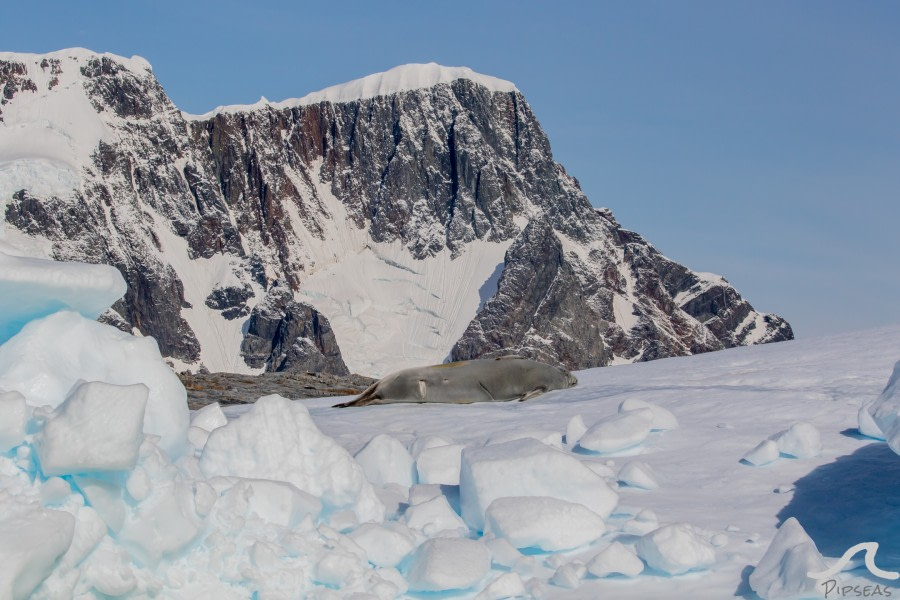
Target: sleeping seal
{"x": 492, "y": 380}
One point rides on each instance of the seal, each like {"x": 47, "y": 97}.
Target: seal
{"x": 491, "y": 380}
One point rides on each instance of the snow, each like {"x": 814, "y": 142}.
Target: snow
{"x": 99, "y": 427}
{"x": 399, "y": 311}
{"x": 399, "y": 79}
{"x": 527, "y": 467}
{"x": 32, "y": 287}
{"x": 549, "y": 524}
{"x": 782, "y": 571}
{"x": 618, "y": 432}
{"x": 615, "y": 559}
{"x": 676, "y": 549}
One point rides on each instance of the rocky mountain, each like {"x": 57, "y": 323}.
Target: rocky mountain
{"x": 407, "y": 217}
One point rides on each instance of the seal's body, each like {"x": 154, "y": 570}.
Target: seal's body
{"x": 493, "y": 380}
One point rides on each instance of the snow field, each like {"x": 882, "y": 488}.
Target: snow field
{"x": 285, "y": 499}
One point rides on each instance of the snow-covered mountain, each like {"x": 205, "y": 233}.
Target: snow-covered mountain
{"x": 412, "y": 215}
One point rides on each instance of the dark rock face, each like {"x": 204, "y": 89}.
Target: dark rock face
{"x": 285, "y": 335}
{"x": 231, "y": 301}
{"x": 275, "y": 192}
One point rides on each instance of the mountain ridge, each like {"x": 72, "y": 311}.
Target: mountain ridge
{"x": 385, "y": 214}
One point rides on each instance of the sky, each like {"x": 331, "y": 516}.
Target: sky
{"x": 757, "y": 140}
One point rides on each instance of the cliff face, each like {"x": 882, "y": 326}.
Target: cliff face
{"x": 418, "y": 213}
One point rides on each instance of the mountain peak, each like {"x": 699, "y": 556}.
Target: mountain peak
{"x": 136, "y": 64}
{"x": 402, "y": 78}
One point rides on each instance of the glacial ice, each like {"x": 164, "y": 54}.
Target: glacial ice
{"x": 676, "y": 549}
{"x": 549, "y": 524}
{"x": 619, "y": 431}
{"x": 31, "y": 288}
{"x": 277, "y": 439}
{"x": 50, "y": 355}
{"x": 782, "y": 571}
{"x": 527, "y": 467}
{"x": 615, "y": 559}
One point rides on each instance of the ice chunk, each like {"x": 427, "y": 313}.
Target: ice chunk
{"x": 618, "y": 432}
{"x": 503, "y": 553}
{"x": 442, "y": 564}
{"x": 31, "y": 541}
{"x": 276, "y": 439}
{"x": 385, "y": 460}
{"x": 99, "y": 427}
{"x": 574, "y": 430}
{"x": 440, "y": 464}
{"x": 643, "y": 523}
{"x": 662, "y": 418}
{"x": 800, "y": 440}
{"x": 31, "y": 288}
{"x": 433, "y": 516}
{"x": 508, "y": 585}
{"x": 13, "y": 420}
{"x": 385, "y": 545}
{"x": 209, "y": 418}
{"x": 424, "y": 443}
{"x": 568, "y": 575}
{"x": 54, "y": 491}
{"x": 601, "y": 469}
{"x": 886, "y": 409}
{"x": 336, "y": 567}
{"x": 423, "y": 492}
{"x": 551, "y": 438}
{"x": 549, "y": 524}
{"x": 163, "y": 524}
{"x": 867, "y": 425}
{"x": 676, "y": 549}
{"x": 616, "y": 559}
{"x": 638, "y": 474}
{"x": 764, "y": 453}
{"x": 781, "y": 573}
{"x": 527, "y": 468}
{"x": 49, "y": 356}
{"x": 279, "y": 502}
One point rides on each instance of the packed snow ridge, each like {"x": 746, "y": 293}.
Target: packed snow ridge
{"x": 403, "y": 78}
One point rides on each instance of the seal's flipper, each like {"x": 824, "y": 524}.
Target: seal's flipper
{"x": 532, "y": 394}
{"x": 366, "y": 398}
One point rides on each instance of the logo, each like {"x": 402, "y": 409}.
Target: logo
{"x": 831, "y": 585}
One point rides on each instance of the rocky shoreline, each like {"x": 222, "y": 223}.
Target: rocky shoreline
{"x": 234, "y": 388}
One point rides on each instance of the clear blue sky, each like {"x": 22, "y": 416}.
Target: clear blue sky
{"x": 758, "y": 140}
